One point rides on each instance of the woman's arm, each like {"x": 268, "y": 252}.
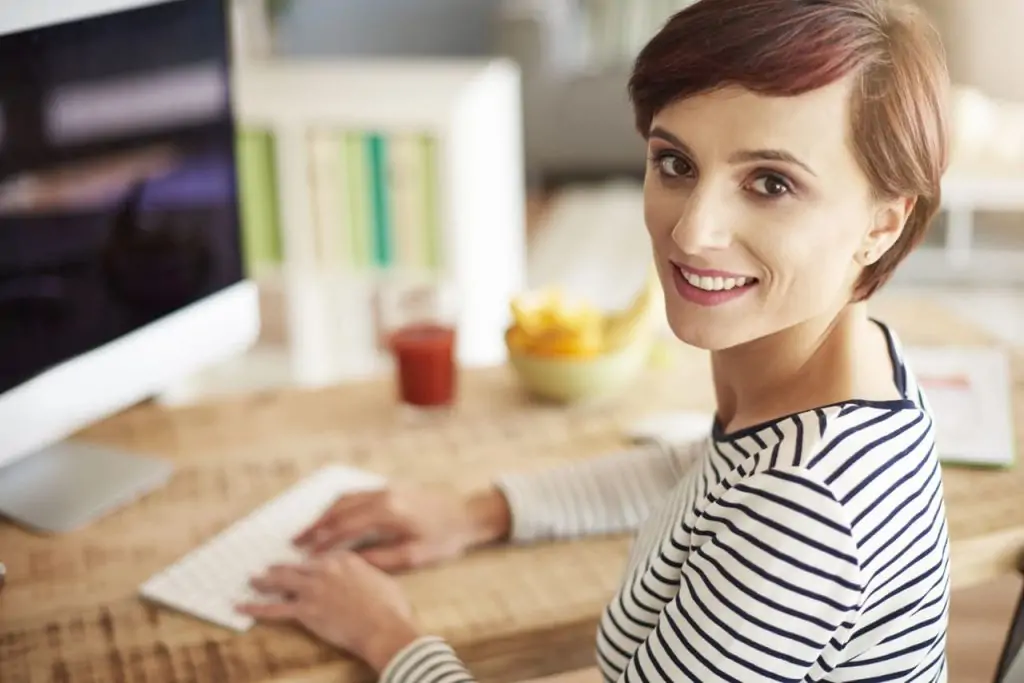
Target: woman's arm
{"x": 601, "y": 495}
{"x": 772, "y": 581}
{"x": 608, "y": 494}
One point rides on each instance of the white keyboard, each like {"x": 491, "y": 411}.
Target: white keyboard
{"x": 210, "y": 581}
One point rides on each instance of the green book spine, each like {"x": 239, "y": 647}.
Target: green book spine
{"x": 359, "y": 198}
{"x": 380, "y": 201}
{"x": 258, "y": 200}
{"x": 432, "y": 203}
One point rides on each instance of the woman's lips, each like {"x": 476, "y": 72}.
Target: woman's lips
{"x": 710, "y": 287}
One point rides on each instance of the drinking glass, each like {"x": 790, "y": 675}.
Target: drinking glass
{"x": 417, "y": 324}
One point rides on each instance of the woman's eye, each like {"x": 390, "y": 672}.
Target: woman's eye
{"x": 673, "y": 166}
{"x": 771, "y": 185}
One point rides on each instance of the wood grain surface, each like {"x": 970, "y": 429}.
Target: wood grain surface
{"x": 70, "y": 611}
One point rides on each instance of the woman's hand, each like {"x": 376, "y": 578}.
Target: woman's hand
{"x": 409, "y": 527}
{"x": 344, "y": 601}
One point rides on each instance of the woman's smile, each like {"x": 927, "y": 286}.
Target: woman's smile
{"x": 710, "y": 287}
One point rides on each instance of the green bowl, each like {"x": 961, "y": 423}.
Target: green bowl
{"x": 573, "y": 380}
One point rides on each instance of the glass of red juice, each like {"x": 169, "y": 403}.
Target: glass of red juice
{"x": 418, "y": 327}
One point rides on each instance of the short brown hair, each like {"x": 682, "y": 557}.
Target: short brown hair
{"x": 788, "y": 47}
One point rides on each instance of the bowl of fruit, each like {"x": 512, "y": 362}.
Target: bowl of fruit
{"x": 569, "y": 351}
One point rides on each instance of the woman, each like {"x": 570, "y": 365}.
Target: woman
{"x": 795, "y": 155}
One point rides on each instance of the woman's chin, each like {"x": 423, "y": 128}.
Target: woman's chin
{"x": 709, "y": 337}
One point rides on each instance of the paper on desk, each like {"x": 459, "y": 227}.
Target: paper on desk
{"x": 677, "y": 427}
{"x": 969, "y": 390}
{"x": 210, "y": 581}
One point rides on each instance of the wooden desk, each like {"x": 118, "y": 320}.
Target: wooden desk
{"x": 69, "y": 612}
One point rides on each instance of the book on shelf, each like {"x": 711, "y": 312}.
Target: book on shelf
{"x": 380, "y": 205}
{"x": 259, "y": 212}
{"x": 330, "y": 195}
{"x": 432, "y": 192}
{"x": 408, "y": 199}
{"x": 373, "y": 198}
{"x": 970, "y": 393}
{"x": 358, "y": 210}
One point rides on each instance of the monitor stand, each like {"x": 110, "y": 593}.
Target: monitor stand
{"x": 70, "y": 484}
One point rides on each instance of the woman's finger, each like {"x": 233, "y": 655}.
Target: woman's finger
{"x": 282, "y": 580}
{"x": 271, "y": 611}
{"x": 342, "y": 506}
{"x": 396, "y": 557}
{"x": 368, "y": 522}
{"x": 346, "y": 505}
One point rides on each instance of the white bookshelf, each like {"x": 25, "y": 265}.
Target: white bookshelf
{"x": 472, "y": 110}
{"x": 966, "y": 193}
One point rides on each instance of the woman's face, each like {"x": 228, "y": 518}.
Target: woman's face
{"x": 759, "y": 215}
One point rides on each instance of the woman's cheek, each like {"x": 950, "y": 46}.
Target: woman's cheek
{"x": 661, "y": 209}
{"x": 806, "y": 262}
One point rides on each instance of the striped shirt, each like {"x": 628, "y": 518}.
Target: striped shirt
{"x": 812, "y": 547}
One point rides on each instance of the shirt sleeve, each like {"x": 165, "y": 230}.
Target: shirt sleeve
{"x": 427, "y": 660}
{"x": 608, "y": 494}
{"x": 771, "y": 578}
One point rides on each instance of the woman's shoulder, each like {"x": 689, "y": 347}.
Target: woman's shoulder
{"x": 871, "y": 457}
{"x": 859, "y": 450}
{"x": 830, "y": 437}
{"x": 857, "y": 436}
{"x": 865, "y": 458}
{"x": 849, "y": 441}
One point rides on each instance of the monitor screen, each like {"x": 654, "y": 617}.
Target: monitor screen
{"x": 117, "y": 178}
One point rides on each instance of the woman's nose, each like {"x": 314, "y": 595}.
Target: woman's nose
{"x": 702, "y": 225}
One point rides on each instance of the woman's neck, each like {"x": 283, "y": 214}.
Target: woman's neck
{"x": 825, "y": 360}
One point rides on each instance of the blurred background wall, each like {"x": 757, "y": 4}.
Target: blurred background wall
{"x": 984, "y": 43}
{"x": 388, "y": 27}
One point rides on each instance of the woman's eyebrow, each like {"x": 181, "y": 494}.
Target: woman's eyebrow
{"x": 769, "y": 155}
{"x": 738, "y": 157}
{"x": 662, "y": 134}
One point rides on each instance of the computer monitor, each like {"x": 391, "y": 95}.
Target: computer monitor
{"x": 120, "y": 262}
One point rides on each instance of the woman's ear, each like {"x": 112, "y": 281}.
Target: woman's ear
{"x": 888, "y": 224}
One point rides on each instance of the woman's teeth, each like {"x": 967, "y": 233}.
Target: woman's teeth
{"x": 717, "y": 284}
